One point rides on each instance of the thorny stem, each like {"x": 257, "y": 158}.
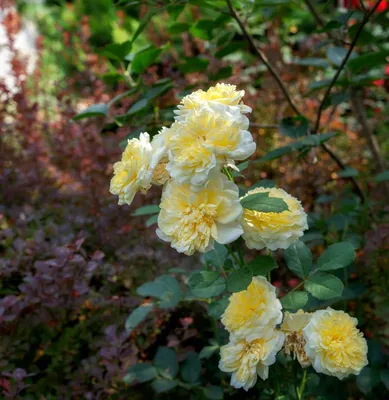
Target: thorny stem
{"x": 343, "y": 64}
{"x": 285, "y": 91}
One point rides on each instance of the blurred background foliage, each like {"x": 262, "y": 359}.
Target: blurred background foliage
{"x": 106, "y": 70}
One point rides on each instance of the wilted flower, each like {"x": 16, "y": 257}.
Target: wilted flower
{"x": 292, "y": 326}
{"x": 252, "y": 309}
{"x": 193, "y": 221}
{"x": 160, "y": 174}
{"x": 204, "y": 142}
{"x": 334, "y": 344}
{"x": 221, "y": 94}
{"x": 134, "y": 171}
{"x": 249, "y": 357}
{"x": 274, "y": 230}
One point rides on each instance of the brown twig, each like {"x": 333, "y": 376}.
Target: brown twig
{"x": 285, "y": 91}
{"x": 343, "y": 64}
{"x": 366, "y": 130}
{"x": 314, "y": 12}
{"x": 262, "y": 56}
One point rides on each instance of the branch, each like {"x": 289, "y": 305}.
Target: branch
{"x": 343, "y": 166}
{"x": 264, "y": 126}
{"x": 275, "y": 75}
{"x": 313, "y": 11}
{"x": 343, "y": 64}
{"x": 262, "y": 56}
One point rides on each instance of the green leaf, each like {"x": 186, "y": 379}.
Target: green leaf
{"x": 144, "y": 22}
{"x": 202, "y": 279}
{"x": 223, "y": 73}
{"x": 137, "y": 316}
{"x": 213, "y": 393}
{"x": 193, "y": 64}
{"x": 165, "y": 288}
{"x": 208, "y": 351}
{"x": 96, "y": 110}
{"x": 217, "y": 257}
{"x": 154, "y": 91}
{"x": 215, "y": 289}
{"x": 312, "y": 62}
{"x": 161, "y": 385}
{"x": 324, "y": 286}
{"x": 294, "y": 300}
{"x": 276, "y": 153}
{"x": 141, "y": 372}
{"x": 261, "y": 265}
{"x": 298, "y": 257}
{"x": 191, "y": 368}
{"x": 264, "y": 203}
{"x": 144, "y": 59}
{"x": 314, "y": 140}
{"x": 229, "y": 48}
{"x": 138, "y": 106}
{"x": 175, "y": 10}
{"x": 348, "y": 172}
{"x": 179, "y": 27}
{"x": 368, "y": 60}
{"x": 294, "y": 127}
{"x": 152, "y": 220}
{"x": 336, "y": 54}
{"x": 217, "y": 308}
{"x": 367, "y": 380}
{"x": 239, "y": 279}
{"x": 121, "y": 96}
{"x": 338, "y": 255}
{"x": 329, "y": 26}
{"x": 385, "y": 378}
{"x": 146, "y": 210}
{"x": 116, "y": 51}
{"x": 166, "y": 360}
{"x": 383, "y": 176}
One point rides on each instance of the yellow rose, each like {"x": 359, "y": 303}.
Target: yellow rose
{"x": 250, "y": 357}
{"x": 334, "y": 344}
{"x": 134, "y": 171}
{"x": 274, "y": 230}
{"x": 252, "y": 309}
{"x": 193, "y": 221}
{"x": 219, "y": 95}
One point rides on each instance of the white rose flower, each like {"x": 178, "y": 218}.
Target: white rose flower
{"x": 334, "y": 344}
{"x": 250, "y": 357}
{"x": 193, "y": 221}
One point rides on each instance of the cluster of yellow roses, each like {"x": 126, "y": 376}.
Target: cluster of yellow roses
{"x": 326, "y": 339}
{"x": 199, "y": 204}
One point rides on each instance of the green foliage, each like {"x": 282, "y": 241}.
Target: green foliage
{"x": 264, "y": 203}
{"x": 299, "y": 259}
{"x": 166, "y": 361}
{"x": 294, "y": 301}
{"x": 137, "y": 316}
{"x": 165, "y": 288}
{"x": 338, "y": 255}
{"x": 191, "y": 368}
{"x": 324, "y": 286}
